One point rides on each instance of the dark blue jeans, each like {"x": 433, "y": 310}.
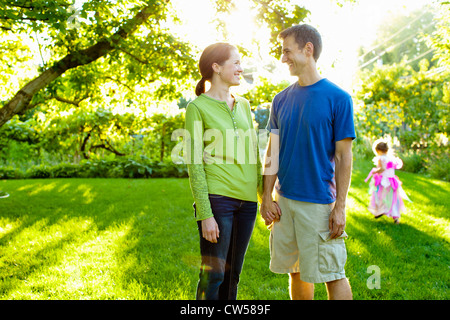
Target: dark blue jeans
{"x": 222, "y": 261}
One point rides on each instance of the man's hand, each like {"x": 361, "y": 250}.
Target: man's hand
{"x": 336, "y": 223}
{"x": 270, "y": 211}
{"x": 210, "y": 230}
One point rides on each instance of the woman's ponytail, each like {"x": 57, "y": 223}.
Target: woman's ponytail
{"x": 200, "y": 88}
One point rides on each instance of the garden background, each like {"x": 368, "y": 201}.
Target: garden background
{"x": 94, "y": 197}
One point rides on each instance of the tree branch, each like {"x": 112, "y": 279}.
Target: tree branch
{"x": 108, "y": 147}
{"x": 83, "y": 145}
{"x": 132, "y": 55}
{"x": 75, "y": 103}
{"x": 119, "y": 82}
{"x": 24, "y": 18}
{"x": 21, "y": 101}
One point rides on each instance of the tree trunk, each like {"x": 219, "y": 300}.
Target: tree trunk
{"x": 21, "y": 101}
{"x": 163, "y": 134}
{"x": 83, "y": 145}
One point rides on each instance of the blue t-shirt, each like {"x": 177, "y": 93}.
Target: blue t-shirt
{"x": 310, "y": 120}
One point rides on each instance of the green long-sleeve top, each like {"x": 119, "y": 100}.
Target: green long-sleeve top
{"x": 222, "y": 153}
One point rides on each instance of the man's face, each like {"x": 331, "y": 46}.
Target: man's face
{"x": 293, "y": 56}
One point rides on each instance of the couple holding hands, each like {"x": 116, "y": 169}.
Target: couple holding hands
{"x": 308, "y": 161}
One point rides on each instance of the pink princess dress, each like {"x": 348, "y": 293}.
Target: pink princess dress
{"x": 386, "y": 193}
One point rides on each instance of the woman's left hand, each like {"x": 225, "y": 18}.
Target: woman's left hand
{"x": 210, "y": 230}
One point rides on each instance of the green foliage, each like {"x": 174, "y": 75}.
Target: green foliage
{"x": 279, "y": 15}
{"x": 89, "y": 134}
{"x": 260, "y": 98}
{"x": 440, "y": 168}
{"x": 275, "y": 15}
{"x": 264, "y": 91}
{"x": 142, "y": 61}
{"x": 397, "y": 100}
{"x": 410, "y": 100}
{"x": 402, "y": 38}
{"x": 413, "y": 161}
{"x": 10, "y": 173}
{"x": 362, "y": 148}
{"x": 65, "y": 170}
{"x": 39, "y": 172}
{"x": 105, "y": 53}
{"x": 411, "y": 106}
{"x": 103, "y": 108}
{"x": 440, "y": 39}
{"x": 122, "y": 168}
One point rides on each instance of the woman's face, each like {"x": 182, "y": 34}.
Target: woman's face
{"x": 230, "y": 71}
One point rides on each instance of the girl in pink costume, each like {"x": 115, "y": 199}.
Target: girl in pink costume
{"x": 386, "y": 192}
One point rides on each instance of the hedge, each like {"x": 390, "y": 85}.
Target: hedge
{"x": 128, "y": 168}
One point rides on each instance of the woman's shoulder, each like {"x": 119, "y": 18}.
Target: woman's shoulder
{"x": 199, "y": 100}
{"x": 242, "y": 100}
{"x": 191, "y": 106}
{"x": 243, "y": 103}
{"x": 198, "y": 104}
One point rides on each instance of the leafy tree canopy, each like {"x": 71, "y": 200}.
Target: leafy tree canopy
{"x": 401, "y": 37}
{"x": 102, "y": 53}
{"x": 409, "y": 101}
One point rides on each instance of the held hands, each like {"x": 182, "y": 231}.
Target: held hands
{"x": 270, "y": 211}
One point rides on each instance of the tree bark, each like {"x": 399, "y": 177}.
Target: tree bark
{"x": 83, "y": 145}
{"x": 21, "y": 101}
{"x": 163, "y": 134}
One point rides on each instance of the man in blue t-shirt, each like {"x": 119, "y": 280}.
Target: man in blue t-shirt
{"x": 311, "y": 132}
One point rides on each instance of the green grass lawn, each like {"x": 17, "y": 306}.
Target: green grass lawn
{"x": 137, "y": 239}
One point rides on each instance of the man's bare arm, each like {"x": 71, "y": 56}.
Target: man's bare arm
{"x": 270, "y": 210}
{"x": 343, "y": 171}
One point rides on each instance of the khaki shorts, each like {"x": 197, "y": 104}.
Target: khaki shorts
{"x": 299, "y": 242}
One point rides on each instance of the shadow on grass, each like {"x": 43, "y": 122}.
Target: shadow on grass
{"x": 154, "y": 214}
{"x": 413, "y": 264}
{"x": 157, "y": 255}
{"x": 413, "y": 258}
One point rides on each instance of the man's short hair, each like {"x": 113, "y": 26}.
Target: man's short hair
{"x": 303, "y": 34}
